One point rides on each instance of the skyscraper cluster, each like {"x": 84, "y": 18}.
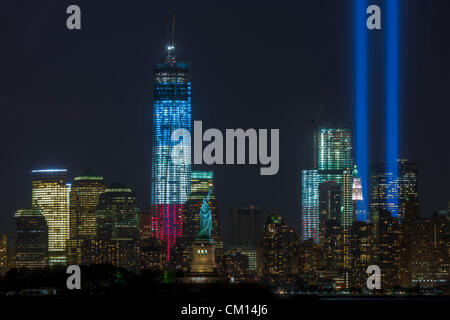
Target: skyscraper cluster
{"x": 89, "y": 222}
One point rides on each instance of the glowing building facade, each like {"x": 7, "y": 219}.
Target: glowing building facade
{"x": 335, "y": 163}
{"x": 170, "y": 179}
{"x": 50, "y": 195}
{"x": 84, "y": 197}
{"x": 310, "y": 205}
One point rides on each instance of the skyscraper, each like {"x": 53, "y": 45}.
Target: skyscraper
{"x": 387, "y": 247}
{"x": 117, "y": 214}
{"x": 31, "y": 239}
{"x": 118, "y": 220}
{"x": 245, "y": 227}
{"x": 335, "y": 163}
{"x": 310, "y": 205}
{"x": 170, "y": 179}
{"x": 329, "y": 206}
{"x": 278, "y": 245}
{"x": 394, "y": 196}
{"x": 84, "y": 196}
{"x": 50, "y": 195}
{"x": 332, "y": 162}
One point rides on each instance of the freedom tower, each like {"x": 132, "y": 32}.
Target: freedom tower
{"x": 171, "y": 111}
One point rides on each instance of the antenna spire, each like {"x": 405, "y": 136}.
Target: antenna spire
{"x": 171, "y": 39}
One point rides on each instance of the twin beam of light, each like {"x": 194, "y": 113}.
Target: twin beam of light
{"x": 361, "y": 102}
{"x": 392, "y": 100}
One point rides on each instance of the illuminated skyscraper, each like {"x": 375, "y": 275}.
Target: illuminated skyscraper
{"x": 394, "y": 196}
{"x": 31, "y": 239}
{"x": 310, "y": 205}
{"x": 84, "y": 196}
{"x": 50, "y": 194}
{"x": 335, "y": 163}
{"x": 170, "y": 179}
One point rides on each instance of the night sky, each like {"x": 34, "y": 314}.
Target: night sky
{"x": 79, "y": 99}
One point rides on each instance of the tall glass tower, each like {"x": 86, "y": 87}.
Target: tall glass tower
{"x": 170, "y": 179}
{"x": 310, "y": 205}
{"x": 84, "y": 196}
{"x": 50, "y": 194}
{"x": 335, "y": 163}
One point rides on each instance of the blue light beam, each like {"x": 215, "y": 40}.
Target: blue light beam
{"x": 361, "y": 101}
{"x": 392, "y": 99}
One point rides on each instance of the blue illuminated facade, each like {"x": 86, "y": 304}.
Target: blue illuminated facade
{"x": 170, "y": 180}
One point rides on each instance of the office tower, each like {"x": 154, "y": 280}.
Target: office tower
{"x": 278, "y": 245}
{"x": 84, "y": 197}
{"x": 50, "y": 195}
{"x": 387, "y": 236}
{"x": 310, "y": 205}
{"x": 393, "y": 196}
{"x": 117, "y": 234}
{"x": 245, "y": 227}
{"x": 422, "y": 263}
{"x": 3, "y": 255}
{"x": 335, "y": 249}
{"x": 236, "y": 266}
{"x": 309, "y": 260}
{"x": 31, "y": 239}
{"x": 335, "y": 163}
{"x": 361, "y": 253}
{"x": 332, "y": 162}
{"x": 406, "y": 241}
{"x": 431, "y": 252}
{"x": 117, "y": 214}
{"x": 170, "y": 178}
{"x": 329, "y": 206}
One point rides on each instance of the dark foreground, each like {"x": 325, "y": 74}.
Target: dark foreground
{"x": 244, "y": 302}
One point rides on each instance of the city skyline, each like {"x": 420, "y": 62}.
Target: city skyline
{"x": 123, "y": 120}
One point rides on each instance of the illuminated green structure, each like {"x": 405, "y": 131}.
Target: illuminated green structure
{"x": 335, "y": 163}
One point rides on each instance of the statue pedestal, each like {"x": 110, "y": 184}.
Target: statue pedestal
{"x": 203, "y": 257}
{"x": 203, "y": 267}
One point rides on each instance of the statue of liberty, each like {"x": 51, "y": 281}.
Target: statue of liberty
{"x": 205, "y": 218}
